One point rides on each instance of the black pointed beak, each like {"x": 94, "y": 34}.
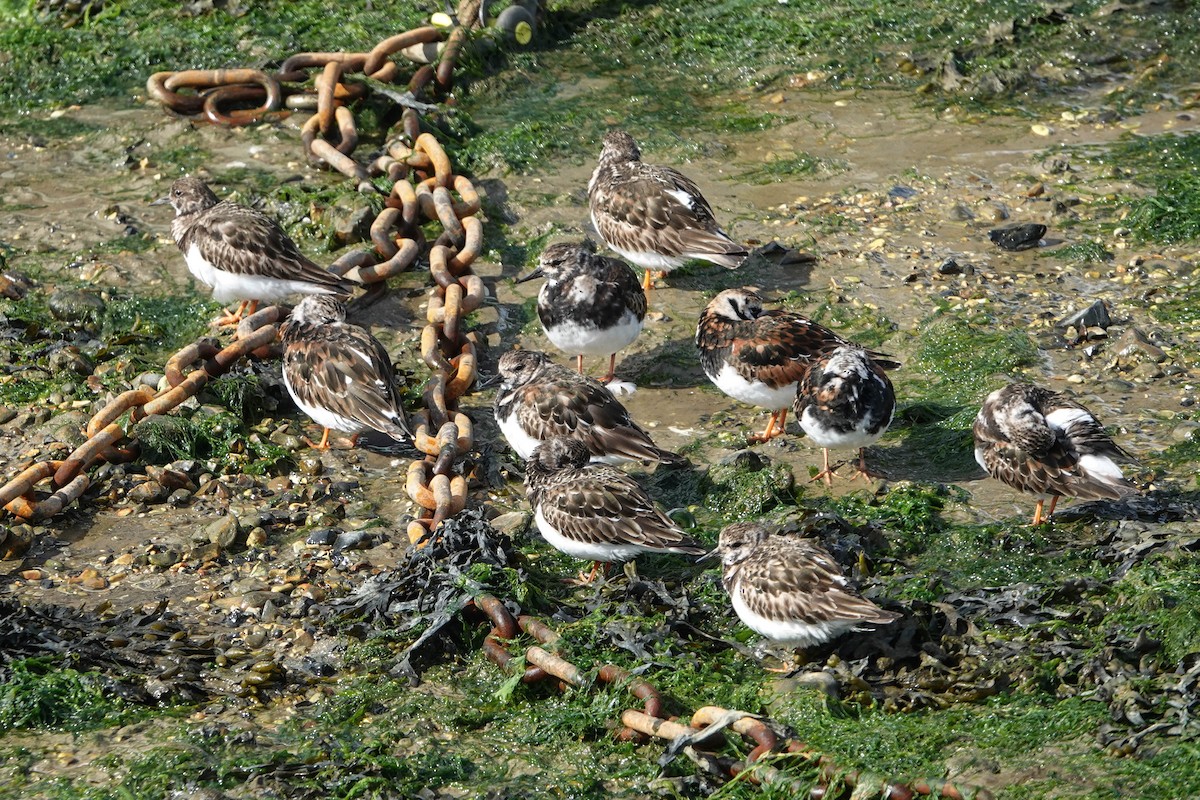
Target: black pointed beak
{"x": 537, "y": 273}
{"x": 709, "y": 556}
{"x": 482, "y": 383}
{"x": 162, "y": 201}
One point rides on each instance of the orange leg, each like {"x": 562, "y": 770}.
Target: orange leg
{"x": 826, "y": 473}
{"x": 579, "y": 364}
{"x": 861, "y": 471}
{"x": 244, "y": 309}
{"x": 612, "y": 369}
{"x": 586, "y": 580}
{"x": 647, "y": 281}
{"x": 777, "y": 418}
{"x": 1037, "y": 513}
{"x": 321, "y": 445}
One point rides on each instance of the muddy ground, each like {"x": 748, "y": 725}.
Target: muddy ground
{"x": 905, "y": 191}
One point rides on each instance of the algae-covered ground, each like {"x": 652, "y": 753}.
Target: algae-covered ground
{"x": 235, "y": 616}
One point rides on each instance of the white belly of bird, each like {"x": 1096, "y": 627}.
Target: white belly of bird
{"x": 575, "y": 339}
{"x": 756, "y": 393}
{"x": 585, "y": 550}
{"x": 790, "y": 632}
{"x": 858, "y": 436}
{"x": 517, "y": 438}
{"x": 228, "y": 287}
{"x": 324, "y": 417}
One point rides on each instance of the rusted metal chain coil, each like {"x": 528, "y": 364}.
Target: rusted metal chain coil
{"x": 705, "y": 725}
{"x": 105, "y": 429}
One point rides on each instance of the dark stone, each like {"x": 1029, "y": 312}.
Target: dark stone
{"x": 1094, "y": 316}
{"x": 1020, "y": 236}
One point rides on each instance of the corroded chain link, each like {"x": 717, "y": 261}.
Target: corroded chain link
{"x": 700, "y": 737}
{"x": 105, "y": 431}
{"x": 424, "y": 189}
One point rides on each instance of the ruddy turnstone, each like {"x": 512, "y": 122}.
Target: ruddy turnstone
{"x": 339, "y": 374}
{"x": 539, "y": 400}
{"x": 790, "y": 589}
{"x": 241, "y": 253}
{"x": 589, "y": 305}
{"x": 757, "y": 356}
{"x": 1045, "y": 443}
{"x": 595, "y": 511}
{"x": 845, "y": 400}
{"x": 654, "y": 216}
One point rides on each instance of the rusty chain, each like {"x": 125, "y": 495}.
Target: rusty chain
{"x": 702, "y": 732}
{"x": 424, "y": 189}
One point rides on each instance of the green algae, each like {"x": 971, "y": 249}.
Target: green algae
{"x": 47, "y": 694}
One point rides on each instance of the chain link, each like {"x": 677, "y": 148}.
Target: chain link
{"x": 424, "y": 189}
{"x": 702, "y": 733}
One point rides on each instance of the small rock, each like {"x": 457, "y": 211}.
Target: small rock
{"x": 960, "y": 212}
{"x": 280, "y": 483}
{"x": 322, "y": 537}
{"x": 994, "y": 212}
{"x": 148, "y": 492}
{"x": 513, "y": 522}
{"x": 747, "y": 460}
{"x": 353, "y": 540}
{"x": 310, "y": 464}
{"x": 1134, "y": 346}
{"x": 1185, "y": 431}
{"x": 166, "y": 557}
{"x": 1094, "y": 315}
{"x": 179, "y": 497}
{"x": 256, "y": 538}
{"x": 224, "y": 532}
{"x": 1020, "y": 236}
{"x": 76, "y": 305}
{"x": 949, "y": 267}
{"x": 1147, "y": 371}
{"x": 71, "y": 360}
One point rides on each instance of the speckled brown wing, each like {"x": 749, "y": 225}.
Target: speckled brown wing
{"x": 582, "y": 408}
{"x": 1017, "y": 446}
{"x": 1056, "y": 472}
{"x": 647, "y": 208}
{"x": 777, "y": 347}
{"x": 244, "y": 241}
{"x": 796, "y": 579}
{"x": 345, "y": 370}
{"x": 602, "y": 505}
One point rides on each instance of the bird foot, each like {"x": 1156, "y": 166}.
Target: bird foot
{"x": 764, "y": 437}
{"x": 585, "y": 578}
{"x": 226, "y": 320}
{"x": 825, "y": 475}
{"x": 866, "y": 474}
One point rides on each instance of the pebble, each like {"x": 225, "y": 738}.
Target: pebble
{"x": 511, "y": 523}
{"x": 148, "y": 492}
{"x": 223, "y": 532}
{"x": 1020, "y": 236}
{"x": 166, "y": 557}
{"x": 256, "y": 538}
{"x": 310, "y": 464}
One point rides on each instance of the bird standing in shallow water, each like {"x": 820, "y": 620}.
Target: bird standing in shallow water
{"x": 654, "y": 216}
{"x": 241, "y": 253}
{"x": 339, "y": 374}
{"x": 1043, "y": 442}
{"x": 790, "y": 589}
{"x": 594, "y": 511}
{"x": 589, "y": 305}
{"x": 538, "y": 400}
